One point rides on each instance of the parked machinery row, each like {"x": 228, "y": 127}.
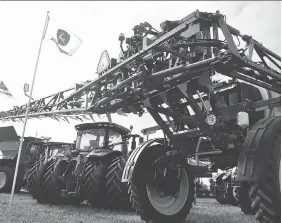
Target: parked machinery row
{"x": 90, "y": 171}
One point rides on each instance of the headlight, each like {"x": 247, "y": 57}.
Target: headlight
{"x": 1, "y": 155}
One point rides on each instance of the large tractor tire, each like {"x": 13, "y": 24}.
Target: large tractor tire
{"x": 6, "y": 179}
{"x": 53, "y": 186}
{"x": 166, "y": 200}
{"x": 93, "y": 183}
{"x": 266, "y": 197}
{"x": 31, "y": 175}
{"x": 34, "y": 181}
{"x": 244, "y": 200}
{"x": 117, "y": 191}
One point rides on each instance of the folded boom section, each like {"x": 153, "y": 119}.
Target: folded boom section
{"x": 166, "y": 71}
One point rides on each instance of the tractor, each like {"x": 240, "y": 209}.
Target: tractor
{"x": 9, "y": 146}
{"x": 49, "y": 149}
{"x": 222, "y": 188}
{"x": 91, "y": 171}
{"x": 202, "y": 189}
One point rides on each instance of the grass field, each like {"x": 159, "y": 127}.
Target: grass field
{"x": 27, "y": 210}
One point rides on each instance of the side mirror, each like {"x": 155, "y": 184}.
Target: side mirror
{"x": 26, "y": 88}
{"x": 141, "y": 140}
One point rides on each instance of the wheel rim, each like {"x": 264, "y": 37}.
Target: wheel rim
{"x": 170, "y": 205}
{"x": 2, "y": 179}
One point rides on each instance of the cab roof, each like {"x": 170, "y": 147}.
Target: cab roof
{"x": 100, "y": 125}
{"x": 52, "y": 143}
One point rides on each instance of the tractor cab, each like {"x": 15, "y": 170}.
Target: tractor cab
{"x": 102, "y": 138}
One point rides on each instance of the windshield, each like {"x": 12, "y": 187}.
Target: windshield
{"x": 91, "y": 139}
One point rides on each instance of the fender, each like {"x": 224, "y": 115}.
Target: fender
{"x": 133, "y": 158}
{"x": 253, "y": 158}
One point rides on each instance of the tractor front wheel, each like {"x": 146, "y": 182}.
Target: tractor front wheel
{"x": 161, "y": 195}
{"x": 117, "y": 191}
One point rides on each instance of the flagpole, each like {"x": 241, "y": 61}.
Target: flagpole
{"x": 26, "y": 114}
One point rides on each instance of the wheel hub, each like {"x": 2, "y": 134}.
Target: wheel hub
{"x": 2, "y": 179}
{"x": 168, "y": 182}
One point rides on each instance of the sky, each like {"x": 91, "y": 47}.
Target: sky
{"x": 98, "y": 25}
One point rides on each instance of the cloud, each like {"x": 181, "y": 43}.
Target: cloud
{"x": 240, "y": 7}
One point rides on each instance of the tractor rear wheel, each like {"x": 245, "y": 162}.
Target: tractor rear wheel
{"x": 266, "y": 195}
{"x": 6, "y": 178}
{"x": 93, "y": 183}
{"x": 165, "y": 198}
{"x": 244, "y": 201}
{"x": 117, "y": 191}
{"x": 34, "y": 181}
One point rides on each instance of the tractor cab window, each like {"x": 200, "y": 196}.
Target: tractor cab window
{"x": 57, "y": 151}
{"x": 115, "y": 138}
{"x": 91, "y": 140}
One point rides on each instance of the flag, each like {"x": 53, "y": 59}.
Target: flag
{"x": 4, "y": 90}
{"x": 67, "y": 42}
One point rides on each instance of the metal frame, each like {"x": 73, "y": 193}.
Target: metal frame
{"x": 84, "y": 100}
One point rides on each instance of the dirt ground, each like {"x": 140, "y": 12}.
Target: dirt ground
{"x": 27, "y": 210}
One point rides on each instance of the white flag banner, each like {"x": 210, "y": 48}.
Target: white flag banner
{"x": 4, "y": 90}
{"x": 67, "y": 42}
